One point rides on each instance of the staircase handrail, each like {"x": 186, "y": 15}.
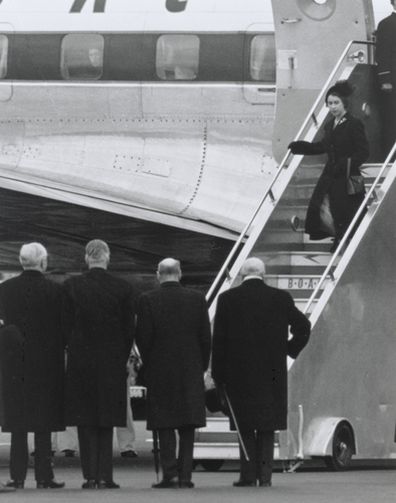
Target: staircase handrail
{"x": 348, "y": 232}
{"x": 310, "y": 116}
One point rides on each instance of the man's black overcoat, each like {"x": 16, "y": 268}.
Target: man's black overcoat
{"x": 346, "y": 140}
{"x": 32, "y": 353}
{"x": 250, "y": 348}
{"x": 99, "y": 310}
{"x": 386, "y": 71}
{"x": 173, "y": 336}
{"x": 386, "y": 50}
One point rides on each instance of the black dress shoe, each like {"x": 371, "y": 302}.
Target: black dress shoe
{"x": 107, "y": 484}
{"x": 166, "y": 484}
{"x": 129, "y": 454}
{"x": 50, "y": 484}
{"x": 264, "y": 483}
{"x": 16, "y": 484}
{"x": 5, "y": 489}
{"x": 69, "y": 453}
{"x": 89, "y": 484}
{"x": 244, "y": 483}
{"x": 187, "y": 484}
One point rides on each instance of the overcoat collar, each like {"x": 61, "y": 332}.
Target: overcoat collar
{"x": 170, "y": 284}
{"x": 97, "y": 270}
{"x": 253, "y": 282}
{"x": 31, "y": 273}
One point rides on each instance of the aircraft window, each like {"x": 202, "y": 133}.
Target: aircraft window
{"x": 177, "y": 57}
{"x": 3, "y": 55}
{"x": 82, "y": 56}
{"x": 262, "y": 58}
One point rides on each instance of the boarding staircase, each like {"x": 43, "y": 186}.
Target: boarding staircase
{"x": 303, "y": 267}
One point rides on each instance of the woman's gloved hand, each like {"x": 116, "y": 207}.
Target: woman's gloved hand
{"x": 296, "y": 147}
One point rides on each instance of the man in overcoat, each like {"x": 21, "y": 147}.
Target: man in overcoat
{"x": 32, "y": 365}
{"x": 386, "y": 71}
{"x": 3, "y": 487}
{"x": 250, "y": 349}
{"x": 173, "y": 337}
{"x": 99, "y": 311}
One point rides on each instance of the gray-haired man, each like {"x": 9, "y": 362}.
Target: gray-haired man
{"x": 173, "y": 336}
{"x": 99, "y": 309}
{"x": 32, "y": 365}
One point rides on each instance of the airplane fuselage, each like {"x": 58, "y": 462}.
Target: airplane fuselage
{"x": 169, "y": 120}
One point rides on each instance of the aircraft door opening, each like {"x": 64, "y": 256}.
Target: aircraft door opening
{"x": 5, "y": 49}
{"x": 305, "y": 29}
{"x": 260, "y": 66}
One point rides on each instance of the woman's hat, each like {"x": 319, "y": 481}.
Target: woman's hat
{"x": 342, "y": 89}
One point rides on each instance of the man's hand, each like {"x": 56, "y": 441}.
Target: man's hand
{"x": 387, "y": 87}
{"x": 129, "y": 367}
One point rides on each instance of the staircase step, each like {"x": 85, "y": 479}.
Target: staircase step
{"x": 286, "y": 212}
{"x": 302, "y": 247}
{"x": 307, "y": 170}
{"x": 309, "y": 258}
{"x": 298, "y": 270}
{"x": 286, "y": 239}
{"x": 305, "y": 263}
{"x": 302, "y": 193}
{"x": 372, "y": 170}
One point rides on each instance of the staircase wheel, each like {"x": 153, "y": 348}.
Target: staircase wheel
{"x": 212, "y": 465}
{"x": 343, "y": 448}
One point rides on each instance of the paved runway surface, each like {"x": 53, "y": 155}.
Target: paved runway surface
{"x": 363, "y": 484}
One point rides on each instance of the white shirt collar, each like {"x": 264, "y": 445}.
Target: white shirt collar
{"x": 252, "y": 277}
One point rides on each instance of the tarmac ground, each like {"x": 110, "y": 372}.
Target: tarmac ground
{"x": 312, "y": 483}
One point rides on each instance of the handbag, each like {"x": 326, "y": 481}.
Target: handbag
{"x": 215, "y": 400}
{"x": 354, "y": 183}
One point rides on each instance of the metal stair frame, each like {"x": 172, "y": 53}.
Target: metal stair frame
{"x": 287, "y": 168}
{"x": 308, "y": 443}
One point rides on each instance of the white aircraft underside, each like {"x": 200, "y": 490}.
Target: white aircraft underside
{"x": 193, "y": 156}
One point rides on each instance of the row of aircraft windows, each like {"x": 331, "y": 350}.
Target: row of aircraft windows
{"x": 177, "y": 57}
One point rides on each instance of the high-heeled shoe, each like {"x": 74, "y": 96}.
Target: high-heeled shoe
{"x": 295, "y": 223}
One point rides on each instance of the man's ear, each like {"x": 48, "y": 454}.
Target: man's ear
{"x": 44, "y": 263}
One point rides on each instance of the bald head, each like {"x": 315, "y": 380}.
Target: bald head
{"x": 33, "y": 256}
{"x": 169, "y": 270}
{"x": 253, "y": 267}
{"x": 97, "y": 254}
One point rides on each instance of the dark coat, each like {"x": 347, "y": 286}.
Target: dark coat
{"x": 99, "y": 310}
{"x": 386, "y": 71}
{"x": 346, "y": 141}
{"x": 386, "y": 50}
{"x": 173, "y": 336}
{"x": 32, "y": 354}
{"x": 250, "y": 348}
